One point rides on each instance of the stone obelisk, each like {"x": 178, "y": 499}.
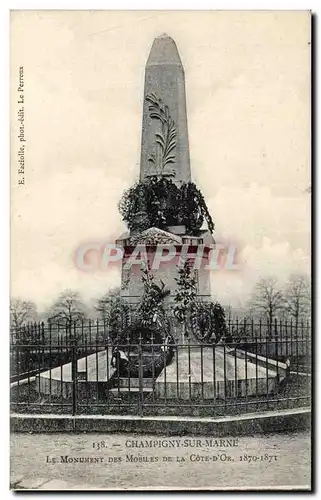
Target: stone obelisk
{"x": 164, "y": 153}
{"x": 165, "y": 79}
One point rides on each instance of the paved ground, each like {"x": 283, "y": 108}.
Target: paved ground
{"x": 53, "y": 462}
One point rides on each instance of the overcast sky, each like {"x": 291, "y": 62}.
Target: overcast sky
{"x": 248, "y": 89}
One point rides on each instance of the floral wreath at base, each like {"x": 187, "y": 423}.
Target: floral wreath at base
{"x": 146, "y": 350}
{"x": 207, "y": 322}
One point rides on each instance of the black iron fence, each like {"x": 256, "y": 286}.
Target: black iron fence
{"x": 77, "y": 369}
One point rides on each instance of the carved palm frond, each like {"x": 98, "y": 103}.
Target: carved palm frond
{"x": 152, "y": 98}
{"x": 170, "y": 145}
{"x": 171, "y": 133}
{"x": 166, "y": 139}
{"x": 152, "y": 158}
{"x": 169, "y": 159}
{"x": 155, "y": 114}
{"x": 161, "y": 141}
{"x": 156, "y": 107}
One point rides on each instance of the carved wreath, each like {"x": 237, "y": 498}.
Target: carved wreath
{"x": 166, "y": 139}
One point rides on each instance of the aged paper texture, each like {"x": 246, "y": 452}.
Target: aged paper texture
{"x": 160, "y": 331}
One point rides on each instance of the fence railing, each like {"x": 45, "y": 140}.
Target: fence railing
{"x": 77, "y": 370}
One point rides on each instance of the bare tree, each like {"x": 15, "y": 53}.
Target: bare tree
{"x": 69, "y": 308}
{"x": 267, "y": 299}
{"x": 298, "y": 297}
{"x": 22, "y": 311}
{"x": 104, "y": 303}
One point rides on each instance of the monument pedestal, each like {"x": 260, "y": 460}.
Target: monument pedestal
{"x": 91, "y": 370}
{"x": 198, "y": 372}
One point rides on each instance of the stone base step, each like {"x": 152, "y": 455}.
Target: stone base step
{"x": 129, "y": 390}
{"x": 133, "y": 382}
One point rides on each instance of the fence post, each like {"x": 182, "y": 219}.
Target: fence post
{"x": 276, "y": 340}
{"x": 141, "y": 375}
{"x": 43, "y": 344}
{"x": 276, "y": 333}
{"x": 73, "y": 343}
{"x": 269, "y": 329}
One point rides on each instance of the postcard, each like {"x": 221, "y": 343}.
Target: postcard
{"x": 160, "y": 303}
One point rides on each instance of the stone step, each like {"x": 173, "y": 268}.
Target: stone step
{"x": 116, "y": 390}
{"x": 133, "y": 382}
